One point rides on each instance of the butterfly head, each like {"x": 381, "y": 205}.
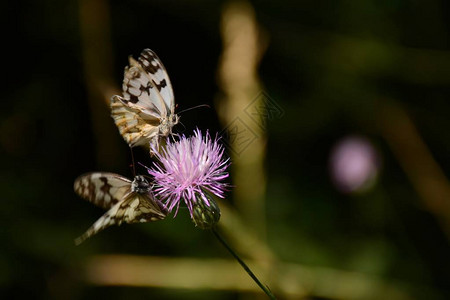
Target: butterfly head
{"x": 140, "y": 185}
{"x": 165, "y": 128}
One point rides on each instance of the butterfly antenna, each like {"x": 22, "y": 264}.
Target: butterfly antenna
{"x": 142, "y": 165}
{"x": 201, "y": 105}
{"x": 177, "y": 134}
{"x": 184, "y": 128}
{"x": 132, "y": 162}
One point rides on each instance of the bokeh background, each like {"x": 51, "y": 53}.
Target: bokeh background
{"x": 335, "y": 115}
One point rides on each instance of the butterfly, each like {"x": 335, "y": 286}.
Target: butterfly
{"x": 146, "y": 112}
{"x": 126, "y": 201}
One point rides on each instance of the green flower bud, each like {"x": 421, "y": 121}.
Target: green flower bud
{"x": 205, "y": 216}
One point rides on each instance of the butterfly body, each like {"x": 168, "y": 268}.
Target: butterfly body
{"x": 140, "y": 185}
{"x": 165, "y": 128}
{"x": 126, "y": 201}
{"x": 146, "y": 112}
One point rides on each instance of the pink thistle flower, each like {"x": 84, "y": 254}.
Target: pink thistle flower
{"x": 189, "y": 170}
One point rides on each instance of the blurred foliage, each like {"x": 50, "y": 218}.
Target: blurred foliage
{"x": 329, "y": 65}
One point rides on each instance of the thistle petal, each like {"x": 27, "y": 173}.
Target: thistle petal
{"x": 188, "y": 169}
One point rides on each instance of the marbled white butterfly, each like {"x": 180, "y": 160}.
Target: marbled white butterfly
{"x": 126, "y": 201}
{"x": 146, "y": 112}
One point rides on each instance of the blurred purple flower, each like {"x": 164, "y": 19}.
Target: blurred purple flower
{"x": 189, "y": 169}
{"x": 354, "y": 164}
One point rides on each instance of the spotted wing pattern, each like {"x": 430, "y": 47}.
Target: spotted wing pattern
{"x": 101, "y": 188}
{"x": 127, "y": 201}
{"x": 146, "y": 112}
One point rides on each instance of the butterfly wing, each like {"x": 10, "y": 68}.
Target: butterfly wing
{"x": 135, "y": 208}
{"x": 141, "y": 208}
{"x": 146, "y": 86}
{"x": 159, "y": 79}
{"x": 147, "y": 100}
{"x": 101, "y": 188}
{"x": 134, "y": 129}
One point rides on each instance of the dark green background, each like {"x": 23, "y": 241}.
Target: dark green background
{"x": 327, "y": 64}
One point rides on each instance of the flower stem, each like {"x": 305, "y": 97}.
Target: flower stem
{"x": 242, "y": 263}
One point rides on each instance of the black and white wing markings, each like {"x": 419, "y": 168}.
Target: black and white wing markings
{"x": 102, "y": 189}
{"x": 157, "y": 78}
{"x": 127, "y": 201}
{"x": 146, "y": 112}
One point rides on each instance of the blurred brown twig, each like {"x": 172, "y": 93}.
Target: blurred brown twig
{"x": 295, "y": 281}
{"x": 425, "y": 174}
{"x": 98, "y": 70}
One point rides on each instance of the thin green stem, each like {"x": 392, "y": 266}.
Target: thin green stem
{"x": 242, "y": 263}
